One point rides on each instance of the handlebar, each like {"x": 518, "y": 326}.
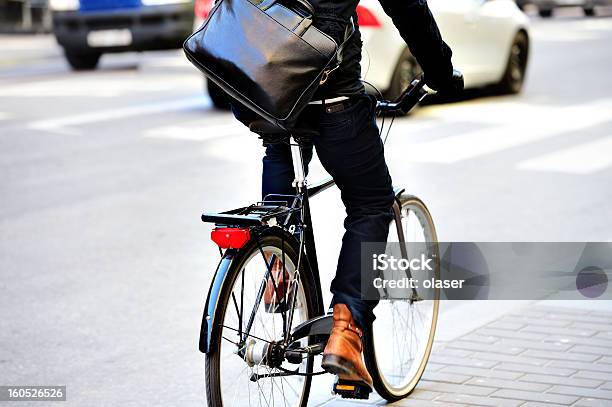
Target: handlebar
{"x": 416, "y": 92}
{"x": 409, "y": 98}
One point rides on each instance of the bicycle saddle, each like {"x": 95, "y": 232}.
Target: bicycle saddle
{"x": 271, "y": 133}
{"x": 265, "y": 127}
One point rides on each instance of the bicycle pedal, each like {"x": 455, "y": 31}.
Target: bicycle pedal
{"x": 348, "y": 389}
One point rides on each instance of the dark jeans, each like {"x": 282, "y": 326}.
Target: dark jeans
{"x": 349, "y": 147}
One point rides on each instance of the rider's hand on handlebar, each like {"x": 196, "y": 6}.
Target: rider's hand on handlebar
{"x": 450, "y": 87}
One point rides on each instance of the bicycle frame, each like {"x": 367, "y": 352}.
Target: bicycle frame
{"x": 300, "y": 204}
{"x": 320, "y": 325}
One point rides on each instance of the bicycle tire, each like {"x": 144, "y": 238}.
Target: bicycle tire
{"x": 274, "y": 237}
{"x": 383, "y": 388}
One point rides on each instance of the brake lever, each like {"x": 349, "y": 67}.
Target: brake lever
{"x": 411, "y": 96}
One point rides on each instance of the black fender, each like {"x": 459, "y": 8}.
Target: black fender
{"x": 397, "y": 191}
{"x": 212, "y": 299}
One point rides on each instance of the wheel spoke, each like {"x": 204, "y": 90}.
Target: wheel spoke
{"x": 401, "y": 349}
{"x": 267, "y": 390}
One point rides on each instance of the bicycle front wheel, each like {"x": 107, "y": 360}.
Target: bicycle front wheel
{"x": 398, "y": 345}
{"x": 245, "y": 366}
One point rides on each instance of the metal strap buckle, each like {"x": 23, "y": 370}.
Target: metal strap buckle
{"x": 326, "y": 73}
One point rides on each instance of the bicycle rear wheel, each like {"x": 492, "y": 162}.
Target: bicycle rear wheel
{"x": 230, "y": 365}
{"x": 397, "y": 347}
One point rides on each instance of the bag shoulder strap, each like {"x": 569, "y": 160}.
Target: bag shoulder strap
{"x": 348, "y": 33}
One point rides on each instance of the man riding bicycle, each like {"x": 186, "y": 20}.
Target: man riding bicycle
{"x": 341, "y": 123}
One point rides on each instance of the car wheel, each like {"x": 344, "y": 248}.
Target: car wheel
{"x": 406, "y": 70}
{"x": 589, "y": 11}
{"x": 545, "y": 13}
{"x": 83, "y": 61}
{"x": 514, "y": 76}
{"x": 217, "y": 96}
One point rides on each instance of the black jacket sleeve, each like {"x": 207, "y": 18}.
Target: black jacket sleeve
{"x": 418, "y": 28}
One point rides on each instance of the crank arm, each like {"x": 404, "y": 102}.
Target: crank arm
{"x": 256, "y": 376}
{"x": 294, "y": 355}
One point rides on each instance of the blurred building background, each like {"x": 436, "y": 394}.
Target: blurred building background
{"x": 24, "y": 16}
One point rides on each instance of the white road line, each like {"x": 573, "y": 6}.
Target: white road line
{"x": 549, "y": 122}
{"x": 198, "y": 131}
{"x": 4, "y": 116}
{"x": 201, "y": 130}
{"x": 63, "y": 124}
{"x": 583, "y": 159}
{"x": 573, "y": 31}
{"x": 494, "y": 111}
{"x": 83, "y": 88}
{"x": 412, "y": 126}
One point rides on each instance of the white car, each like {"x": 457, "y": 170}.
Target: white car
{"x": 489, "y": 39}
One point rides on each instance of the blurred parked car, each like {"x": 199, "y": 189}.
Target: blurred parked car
{"x": 490, "y": 42}
{"x": 489, "y": 38}
{"x": 86, "y": 29}
{"x": 545, "y": 7}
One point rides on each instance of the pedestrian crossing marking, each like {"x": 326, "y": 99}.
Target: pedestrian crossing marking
{"x": 88, "y": 87}
{"x": 502, "y": 126}
{"x": 64, "y": 124}
{"x": 549, "y": 123}
{"x": 573, "y": 31}
{"x": 199, "y": 130}
{"x": 586, "y": 158}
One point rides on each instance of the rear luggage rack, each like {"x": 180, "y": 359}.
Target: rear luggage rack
{"x": 258, "y": 214}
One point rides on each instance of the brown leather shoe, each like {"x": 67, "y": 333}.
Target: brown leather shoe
{"x": 342, "y": 355}
{"x": 274, "y": 299}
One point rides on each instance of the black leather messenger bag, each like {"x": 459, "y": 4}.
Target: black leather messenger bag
{"x": 265, "y": 54}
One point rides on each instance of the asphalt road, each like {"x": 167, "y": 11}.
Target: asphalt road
{"x": 104, "y": 263}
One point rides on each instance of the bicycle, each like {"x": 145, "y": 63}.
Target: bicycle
{"x": 264, "y": 354}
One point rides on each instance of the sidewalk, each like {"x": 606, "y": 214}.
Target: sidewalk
{"x": 537, "y": 356}
{"x": 28, "y": 48}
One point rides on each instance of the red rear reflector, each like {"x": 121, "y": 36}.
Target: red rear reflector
{"x": 202, "y": 8}
{"x": 230, "y": 238}
{"x": 366, "y": 18}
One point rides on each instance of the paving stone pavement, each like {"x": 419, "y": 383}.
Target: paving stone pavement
{"x": 538, "y": 356}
